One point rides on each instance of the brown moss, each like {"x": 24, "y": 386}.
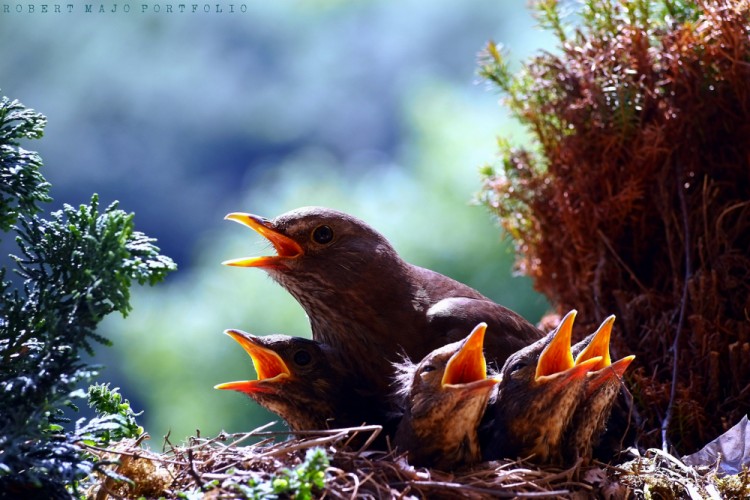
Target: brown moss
{"x": 636, "y": 200}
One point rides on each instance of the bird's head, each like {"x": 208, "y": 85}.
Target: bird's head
{"x": 540, "y": 389}
{"x": 548, "y": 363}
{"x": 445, "y": 396}
{"x": 311, "y": 237}
{"x": 323, "y": 257}
{"x": 294, "y": 378}
{"x": 450, "y": 383}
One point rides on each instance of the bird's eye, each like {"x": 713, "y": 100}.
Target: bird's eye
{"x": 323, "y": 234}
{"x": 428, "y": 368}
{"x": 519, "y": 365}
{"x": 302, "y": 358}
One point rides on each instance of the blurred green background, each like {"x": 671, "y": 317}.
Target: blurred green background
{"x": 370, "y": 107}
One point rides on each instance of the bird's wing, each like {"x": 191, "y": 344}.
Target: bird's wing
{"x": 452, "y": 319}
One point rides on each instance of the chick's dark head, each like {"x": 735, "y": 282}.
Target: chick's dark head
{"x": 444, "y": 398}
{"x": 540, "y": 387}
{"x": 296, "y": 379}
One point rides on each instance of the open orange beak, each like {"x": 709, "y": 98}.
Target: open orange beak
{"x": 599, "y": 347}
{"x": 467, "y": 368}
{"x": 556, "y": 360}
{"x": 268, "y": 365}
{"x": 286, "y": 248}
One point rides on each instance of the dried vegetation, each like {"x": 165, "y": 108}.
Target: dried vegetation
{"x": 635, "y": 199}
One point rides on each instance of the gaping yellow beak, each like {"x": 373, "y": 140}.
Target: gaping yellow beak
{"x": 268, "y": 365}
{"x": 599, "y": 345}
{"x": 467, "y": 368}
{"x": 286, "y": 248}
{"x": 556, "y": 357}
{"x": 556, "y": 360}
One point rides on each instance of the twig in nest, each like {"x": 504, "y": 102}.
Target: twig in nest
{"x": 375, "y": 432}
{"x": 193, "y": 471}
{"x": 683, "y": 306}
{"x": 459, "y": 488}
{"x": 620, "y": 261}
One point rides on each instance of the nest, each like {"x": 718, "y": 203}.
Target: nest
{"x": 226, "y": 467}
{"x": 637, "y": 200}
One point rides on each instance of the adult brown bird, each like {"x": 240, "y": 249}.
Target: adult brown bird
{"x": 366, "y": 302}
{"x": 602, "y": 386}
{"x": 299, "y": 380}
{"x": 540, "y": 389}
{"x": 443, "y": 399}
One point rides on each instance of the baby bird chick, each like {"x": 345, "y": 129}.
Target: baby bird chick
{"x": 444, "y": 398}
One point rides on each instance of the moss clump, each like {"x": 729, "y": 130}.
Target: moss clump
{"x": 635, "y": 197}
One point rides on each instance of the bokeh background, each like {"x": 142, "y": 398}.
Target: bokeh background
{"x": 371, "y": 107}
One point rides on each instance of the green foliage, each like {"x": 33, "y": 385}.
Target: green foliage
{"x": 300, "y": 483}
{"x": 77, "y": 268}
{"x": 21, "y": 183}
{"x": 115, "y": 419}
{"x": 304, "y": 480}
